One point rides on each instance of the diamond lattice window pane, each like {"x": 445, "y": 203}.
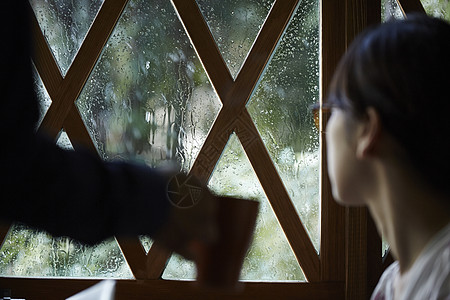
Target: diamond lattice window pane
{"x": 437, "y": 8}
{"x": 234, "y": 25}
{"x": 44, "y": 100}
{"x": 65, "y": 25}
{"x": 270, "y": 256}
{"x": 148, "y": 97}
{"x": 146, "y": 242}
{"x": 64, "y": 142}
{"x": 281, "y": 110}
{"x": 179, "y": 268}
{"x": 390, "y": 10}
{"x": 30, "y": 253}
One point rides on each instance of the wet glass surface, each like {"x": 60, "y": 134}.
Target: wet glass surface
{"x": 148, "y": 98}
{"x": 270, "y": 257}
{"x": 27, "y": 252}
{"x": 65, "y": 25}
{"x": 390, "y": 10}
{"x": 281, "y": 110}
{"x": 234, "y": 25}
{"x": 437, "y": 8}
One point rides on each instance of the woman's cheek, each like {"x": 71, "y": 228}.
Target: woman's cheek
{"x": 341, "y": 161}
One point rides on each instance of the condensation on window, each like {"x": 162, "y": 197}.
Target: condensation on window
{"x": 65, "y": 25}
{"x": 437, "y": 8}
{"x": 148, "y": 98}
{"x": 270, "y": 257}
{"x": 281, "y": 110}
{"x": 234, "y": 25}
{"x": 27, "y": 252}
{"x": 146, "y": 242}
{"x": 390, "y": 10}
{"x": 179, "y": 268}
{"x": 63, "y": 141}
{"x": 44, "y": 100}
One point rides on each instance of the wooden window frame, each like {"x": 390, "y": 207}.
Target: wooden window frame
{"x": 349, "y": 263}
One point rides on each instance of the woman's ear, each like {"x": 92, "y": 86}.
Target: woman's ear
{"x": 369, "y": 134}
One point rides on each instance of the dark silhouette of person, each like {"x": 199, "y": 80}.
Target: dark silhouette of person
{"x": 74, "y": 193}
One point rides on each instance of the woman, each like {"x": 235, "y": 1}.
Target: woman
{"x": 387, "y": 148}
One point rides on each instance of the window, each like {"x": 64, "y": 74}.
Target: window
{"x": 148, "y": 98}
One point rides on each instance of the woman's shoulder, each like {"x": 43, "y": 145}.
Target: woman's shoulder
{"x": 431, "y": 272}
{"x": 428, "y": 278}
{"x": 384, "y": 289}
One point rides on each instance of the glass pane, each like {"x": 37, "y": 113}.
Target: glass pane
{"x": 146, "y": 241}
{"x": 65, "y": 25}
{"x": 280, "y": 108}
{"x": 437, "y": 8}
{"x": 390, "y": 9}
{"x": 234, "y": 25}
{"x": 270, "y": 256}
{"x": 43, "y": 97}
{"x": 64, "y": 141}
{"x": 31, "y": 253}
{"x": 28, "y": 252}
{"x": 148, "y": 98}
{"x": 179, "y": 268}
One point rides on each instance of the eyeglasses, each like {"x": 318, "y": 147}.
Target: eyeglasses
{"x": 326, "y": 111}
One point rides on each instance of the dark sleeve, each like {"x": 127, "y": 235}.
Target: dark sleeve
{"x": 64, "y": 192}
{"x": 76, "y": 194}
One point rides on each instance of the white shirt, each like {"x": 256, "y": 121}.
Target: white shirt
{"x": 428, "y": 278}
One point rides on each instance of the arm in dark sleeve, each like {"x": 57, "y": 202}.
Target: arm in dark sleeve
{"x": 64, "y": 192}
{"x": 76, "y": 194}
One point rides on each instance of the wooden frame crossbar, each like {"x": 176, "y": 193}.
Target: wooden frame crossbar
{"x": 64, "y": 92}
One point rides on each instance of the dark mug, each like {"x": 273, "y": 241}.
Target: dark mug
{"x": 219, "y": 264}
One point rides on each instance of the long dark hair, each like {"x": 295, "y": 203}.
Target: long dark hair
{"x": 401, "y": 68}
